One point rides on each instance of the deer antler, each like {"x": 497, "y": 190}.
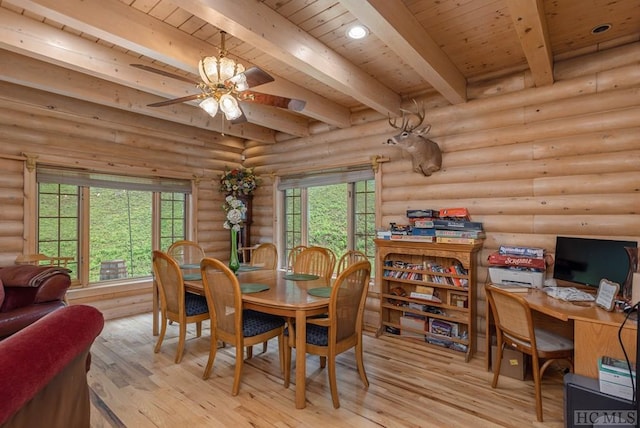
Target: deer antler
{"x": 406, "y": 120}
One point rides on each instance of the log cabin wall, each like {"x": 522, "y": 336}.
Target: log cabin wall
{"x": 61, "y": 131}
{"x": 530, "y": 163}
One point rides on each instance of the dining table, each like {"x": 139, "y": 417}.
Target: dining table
{"x": 290, "y": 295}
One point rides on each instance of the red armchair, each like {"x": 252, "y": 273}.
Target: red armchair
{"x": 27, "y": 293}
{"x": 43, "y": 370}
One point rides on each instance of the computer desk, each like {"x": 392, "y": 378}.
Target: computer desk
{"x": 593, "y": 329}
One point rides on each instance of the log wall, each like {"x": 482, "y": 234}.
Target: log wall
{"x": 530, "y": 163}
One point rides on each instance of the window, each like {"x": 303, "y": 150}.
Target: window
{"x": 108, "y": 223}
{"x": 334, "y": 209}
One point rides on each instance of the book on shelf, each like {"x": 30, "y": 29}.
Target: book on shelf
{"x": 422, "y": 223}
{"x": 456, "y": 213}
{"x": 454, "y": 240}
{"x": 422, "y": 213}
{"x": 413, "y": 238}
{"x": 443, "y": 328}
{"x": 421, "y": 231}
{"x": 459, "y": 300}
{"x": 498, "y": 259}
{"x": 457, "y": 225}
{"x": 423, "y": 296}
{"x": 516, "y": 250}
{"x": 475, "y": 234}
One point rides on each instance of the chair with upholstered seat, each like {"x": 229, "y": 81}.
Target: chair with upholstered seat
{"x": 315, "y": 261}
{"x": 515, "y": 328}
{"x": 229, "y": 322}
{"x": 340, "y": 330}
{"x": 349, "y": 258}
{"x": 176, "y": 304}
{"x": 265, "y": 255}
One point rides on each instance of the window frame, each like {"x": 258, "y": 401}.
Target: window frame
{"x": 154, "y": 185}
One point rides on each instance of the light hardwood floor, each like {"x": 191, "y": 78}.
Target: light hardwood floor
{"x": 410, "y": 386}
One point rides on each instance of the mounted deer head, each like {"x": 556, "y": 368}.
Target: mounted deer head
{"x": 426, "y": 156}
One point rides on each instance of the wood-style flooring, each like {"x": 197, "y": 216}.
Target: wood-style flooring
{"x": 410, "y": 386}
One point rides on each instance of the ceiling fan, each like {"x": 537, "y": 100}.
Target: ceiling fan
{"x": 224, "y": 83}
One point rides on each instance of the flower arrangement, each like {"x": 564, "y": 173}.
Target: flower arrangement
{"x": 236, "y": 211}
{"x": 239, "y": 181}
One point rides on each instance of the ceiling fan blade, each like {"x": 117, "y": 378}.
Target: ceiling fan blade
{"x": 164, "y": 73}
{"x": 256, "y": 76}
{"x": 177, "y": 100}
{"x": 273, "y": 100}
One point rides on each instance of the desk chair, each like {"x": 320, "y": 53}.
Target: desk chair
{"x": 515, "y": 328}
{"x": 229, "y": 322}
{"x": 176, "y": 304}
{"x": 340, "y": 330}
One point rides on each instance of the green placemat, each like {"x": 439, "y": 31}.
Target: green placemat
{"x": 300, "y": 276}
{"x": 320, "y": 291}
{"x": 248, "y": 268}
{"x": 192, "y": 277}
{"x": 251, "y": 287}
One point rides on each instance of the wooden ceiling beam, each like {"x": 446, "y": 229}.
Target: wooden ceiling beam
{"x": 117, "y": 23}
{"x": 262, "y": 27}
{"x": 531, "y": 25}
{"x": 396, "y": 26}
{"x": 32, "y": 73}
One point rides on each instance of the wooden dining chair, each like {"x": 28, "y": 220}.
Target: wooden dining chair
{"x": 187, "y": 252}
{"x": 315, "y": 261}
{"x": 332, "y": 259}
{"x": 340, "y": 330}
{"x": 349, "y": 258}
{"x": 229, "y": 322}
{"x": 515, "y": 328}
{"x": 176, "y": 304}
{"x": 265, "y": 255}
{"x": 293, "y": 255}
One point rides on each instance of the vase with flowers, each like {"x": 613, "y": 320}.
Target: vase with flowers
{"x": 236, "y": 211}
{"x": 239, "y": 181}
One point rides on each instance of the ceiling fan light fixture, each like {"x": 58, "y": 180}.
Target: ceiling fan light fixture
{"x": 229, "y": 106}
{"x": 240, "y": 82}
{"x": 210, "y": 105}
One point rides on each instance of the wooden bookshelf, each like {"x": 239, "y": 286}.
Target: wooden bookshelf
{"x": 446, "y": 270}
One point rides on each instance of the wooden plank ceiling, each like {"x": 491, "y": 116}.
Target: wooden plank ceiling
{"x": 414, "y": 47}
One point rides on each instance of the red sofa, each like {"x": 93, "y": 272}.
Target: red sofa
{"x": 28, "y": 292}
{"x": 43, "y": 370}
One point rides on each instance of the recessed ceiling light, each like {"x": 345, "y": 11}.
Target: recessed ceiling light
{"x": 357, "y": 31}
{"x": 598, "y": 29}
